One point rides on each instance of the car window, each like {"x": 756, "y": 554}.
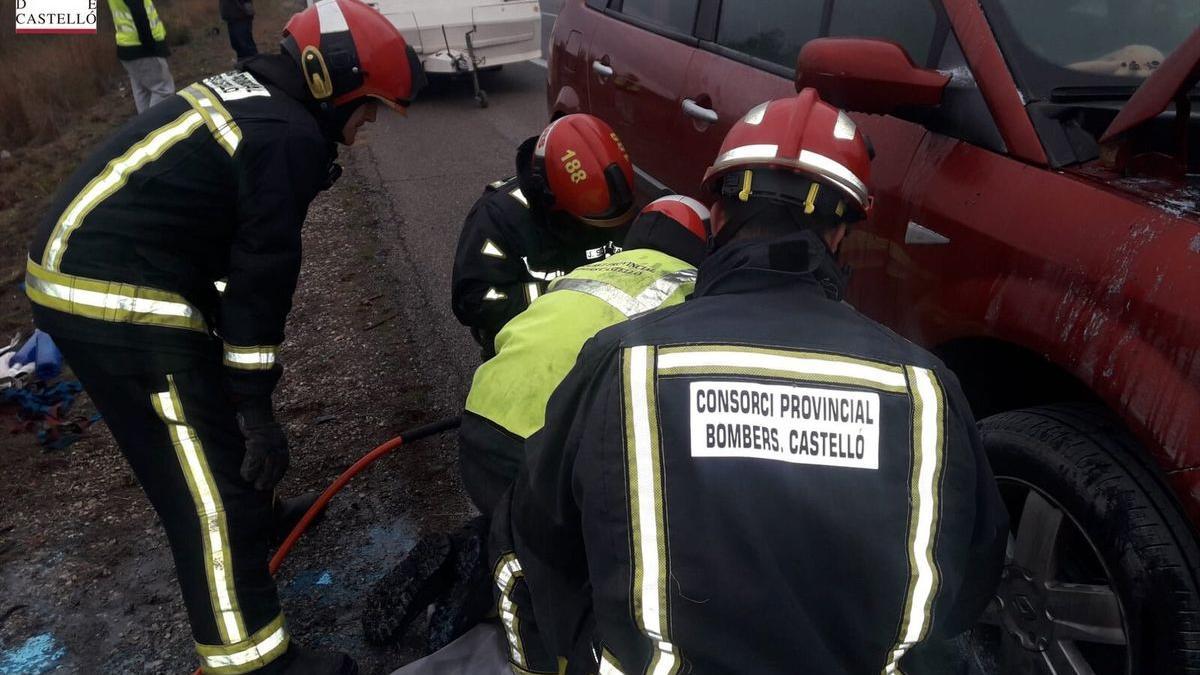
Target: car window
{"x": 772, "y": 30}
{"x": 677, "y": 15}
{"x": 908, "y": 22}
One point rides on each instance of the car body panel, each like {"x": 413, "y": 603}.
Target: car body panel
{"x": 995, "y": 81}
{"x": 1093, "y": 271}
{"x": 1116, "y": 309}
{"x": 632, "y": 99}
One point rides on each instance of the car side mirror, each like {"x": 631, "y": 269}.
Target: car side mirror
{"x": 865, "y": 75}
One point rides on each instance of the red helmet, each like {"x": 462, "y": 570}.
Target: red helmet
{"x": 797, "y": 150}
{"x": 584, "y": 170}
{"x": 675, "y": 225}
{"x": 688, "y": 212}
{"x": 348, "y": 50}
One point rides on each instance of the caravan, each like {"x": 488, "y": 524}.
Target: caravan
{"x": 465, "y": 36}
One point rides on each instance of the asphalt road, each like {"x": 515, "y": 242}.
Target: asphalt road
{"x": 426, "y": 171}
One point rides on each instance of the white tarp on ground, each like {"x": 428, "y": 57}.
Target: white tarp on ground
{"x": 480, "y": 652}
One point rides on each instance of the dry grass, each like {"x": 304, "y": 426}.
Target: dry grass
{"x": 50, "y": 80}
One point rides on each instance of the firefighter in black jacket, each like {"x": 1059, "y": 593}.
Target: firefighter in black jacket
{"x": 760, "y": 480}
{"x": 165, "y": 271}
{"x": 568, "y": 206}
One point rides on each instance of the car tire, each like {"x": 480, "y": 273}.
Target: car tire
{"x": 1076, "y": 460}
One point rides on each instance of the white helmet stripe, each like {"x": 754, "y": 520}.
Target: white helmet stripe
{"x": 700, "y": 209}
{"x": 330, "y": 17}
{"x": 835, "y": 172}
{"x": 763, "y": 153}
{"x": 539, "y": 150}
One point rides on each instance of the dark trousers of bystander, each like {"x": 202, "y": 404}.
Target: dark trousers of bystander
{"x": 241, "y": 37}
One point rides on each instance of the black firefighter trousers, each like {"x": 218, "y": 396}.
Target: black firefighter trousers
{"x": 178, "y": 429}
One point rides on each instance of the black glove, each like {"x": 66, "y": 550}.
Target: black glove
{"x": 266, "y": 457}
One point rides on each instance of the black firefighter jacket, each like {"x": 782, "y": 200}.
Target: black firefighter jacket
{"x": 509, "y": 251}
{"x": 184, "y": 226}
{"x": 760, "y": 480}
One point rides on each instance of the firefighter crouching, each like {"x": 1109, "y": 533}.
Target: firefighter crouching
{"x": 507, "y": 403}
{"x": 760, "y": 480}
{"x": 567, "y": 206}
{"x": 165, "y": 271}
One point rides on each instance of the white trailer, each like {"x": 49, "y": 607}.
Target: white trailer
{"x": 456, "y": 37}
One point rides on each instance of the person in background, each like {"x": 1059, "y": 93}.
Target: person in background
{"x": 142, "y": 49}
{"x": 239, "y": 21}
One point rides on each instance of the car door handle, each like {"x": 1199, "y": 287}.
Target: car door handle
{"x": 699, "y": 112}
{"x": 601, "y": 69}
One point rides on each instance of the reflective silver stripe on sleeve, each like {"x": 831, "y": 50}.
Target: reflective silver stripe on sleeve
{"x": 520, "y": 197}
{"x": 537, "y": 274}
{"x": 532, "y": 292}
{"x": 648, "y": 300}
{"x": 251, "y": 358}
{"x": 494, "y": 295}
{"x": 506, "y": 575}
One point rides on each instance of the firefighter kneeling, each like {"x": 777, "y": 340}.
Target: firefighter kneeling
{"x": 508, "y": 400}
{"x": 632, "y": 544}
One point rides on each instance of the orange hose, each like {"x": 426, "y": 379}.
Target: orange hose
{"x": 367, "y": 460}
{"x": 319, "y": 505}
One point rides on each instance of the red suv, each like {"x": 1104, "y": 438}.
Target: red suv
{"x": 1037, "y": 225}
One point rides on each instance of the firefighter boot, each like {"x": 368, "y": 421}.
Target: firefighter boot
{"x": 469, "y": 599}
{"x": 288, "y": 512}
{"x": 300, "y": 660}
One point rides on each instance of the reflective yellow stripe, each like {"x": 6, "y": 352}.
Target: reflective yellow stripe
{"x": 251, "y": 358}
{"x": 110, "y": 300}
{"x": 508, "y": 570}
{"x": 644, "y": 458}
{"x": 214, "y": 531}
{"x": 266, "y": 645}
{"x": 220, "y": 122}
{"x": 760, "y": 362}
{"x": 113, "y": 178}
{"x": 928, "y": 424}
{"x": 608, "y": 664}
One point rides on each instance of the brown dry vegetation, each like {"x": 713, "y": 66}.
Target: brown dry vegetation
{"x": 51, "y": 79}
{"x": 67, "y": 93}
